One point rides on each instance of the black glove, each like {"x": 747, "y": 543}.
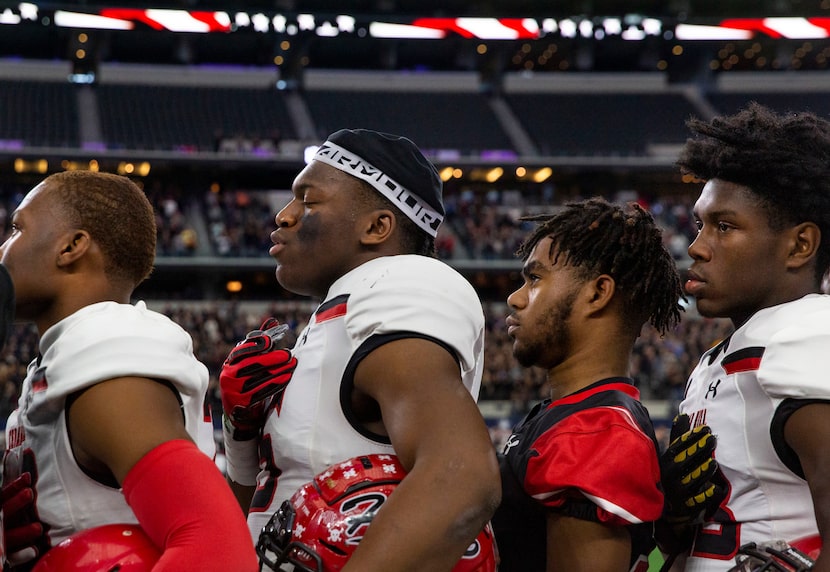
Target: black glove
{"x": 692, "y": 484}
{"x": 688, "y": 472}
{"x": 254, "y": 372}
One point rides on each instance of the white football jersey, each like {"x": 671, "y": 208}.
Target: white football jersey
{"x": 97, "y": 343}
{"x": 382, "y": 300}
{"x": 743, "y": 389}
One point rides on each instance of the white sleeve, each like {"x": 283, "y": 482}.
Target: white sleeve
{"x": 796, "y": 361}
{"x": 426, "y": 297}
{"x": 124, "y": 341}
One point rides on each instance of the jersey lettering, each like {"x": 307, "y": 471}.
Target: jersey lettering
{"x": 720, "y": 538}
{"x": 698, "y": 418}
{"x": 17, "y": 436}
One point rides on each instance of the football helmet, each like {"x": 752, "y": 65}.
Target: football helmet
{"x": 778, "y": 556}
{"x": 319, "y": 528}
{"x": 121, "y": 547}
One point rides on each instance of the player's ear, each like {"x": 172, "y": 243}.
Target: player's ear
{"x": 379, "y": 225}
{"x": 804, "y": 242}
{"x": 75, "y": 244}
{"x": 599, "y": 292}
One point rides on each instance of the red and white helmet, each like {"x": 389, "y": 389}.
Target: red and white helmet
{"x": 319, "y": 528}
{"x": 778, "y": 556}
{"x": 121, "y": 547}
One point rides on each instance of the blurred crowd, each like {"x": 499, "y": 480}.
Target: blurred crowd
{"x": 659, "y": 368}
{"x": 480, "y": 226}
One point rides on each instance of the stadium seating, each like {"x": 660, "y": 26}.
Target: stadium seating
{"x": 439, "y": 122}
{"x": 585, "y": 124}
{"x": 783, "y": 92}
{"x": 38, "y": 114}
{"x": 636, "y": 116}
{"x": 191, "y": 118}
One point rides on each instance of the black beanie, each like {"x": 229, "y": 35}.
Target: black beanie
{"x": 394, "y": 166}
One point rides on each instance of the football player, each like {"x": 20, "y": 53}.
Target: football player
{"x": 580, "y": 474}
{"x": 763, "y": 246}
{"x": 390, "y": 362}
{"x": 110, "y": 426}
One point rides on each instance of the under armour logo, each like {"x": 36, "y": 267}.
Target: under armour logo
{"x": 511, "y": 442}
{"x": 713, "y": 389}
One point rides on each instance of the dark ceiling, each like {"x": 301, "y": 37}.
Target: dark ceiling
{"x": 255, "y": 49}
{"x": 500, "y": 8}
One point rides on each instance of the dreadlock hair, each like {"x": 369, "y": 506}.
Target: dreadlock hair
{"x": 117, "y": 215}
{"x": 412, "y": 239}
{"x": 783, "y": 159}
{"x": 596, "y": 237}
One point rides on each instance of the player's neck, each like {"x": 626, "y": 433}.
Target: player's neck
{"x": 581, "y": 370}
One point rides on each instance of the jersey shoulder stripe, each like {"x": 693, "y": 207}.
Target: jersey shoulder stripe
{"x": 745, "y": 359}
{"x": 331, "y": 309}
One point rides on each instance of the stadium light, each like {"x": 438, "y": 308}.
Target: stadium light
{"x": 446, "y": 174}
{"x": 403, "y": 31}
{"x": 494, "y": 174}
{"x": 697, "y": 32}
{"x": 65, "y": 19}
{"x": 542, "y": 174}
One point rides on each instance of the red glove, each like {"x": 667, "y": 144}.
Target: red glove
{"x": 22, "y": 530}
{"x": 255, "y": 371}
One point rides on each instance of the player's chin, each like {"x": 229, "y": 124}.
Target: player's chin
{"x": 709, "y": 308}
{"x": 298, "y": 278}
{"x": 515, "y": 348}
{"x": 522, "y": 355}
{"x": 286, "y": 277}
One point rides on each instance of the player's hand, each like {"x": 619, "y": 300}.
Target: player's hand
{"x": 254, "y": 372}
{"x": 22, "y": 530}
{"x": 689, "y": 474}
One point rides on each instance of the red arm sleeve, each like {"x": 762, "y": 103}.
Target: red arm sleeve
{"x": 185, "y": 506}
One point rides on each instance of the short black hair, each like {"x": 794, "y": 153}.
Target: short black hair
{"x": 782, "y": 158}
{"x": 597, "y": 237}
{"x": 117, "y": 215}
